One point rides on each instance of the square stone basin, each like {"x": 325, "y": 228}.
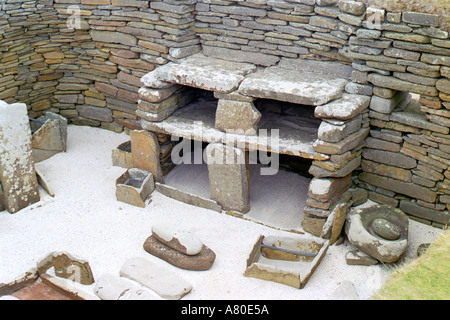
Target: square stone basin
{"x": 289, "y": 261}
{"x": 134, "y": 187}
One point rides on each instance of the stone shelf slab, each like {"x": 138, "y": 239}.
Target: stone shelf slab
{"x": 202, "y": 72}
{"x": 293, "y": 86}
{"x": 196, "y": 121}
{"x": 347, "y": 107}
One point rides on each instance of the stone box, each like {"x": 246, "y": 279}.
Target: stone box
{"x": 286, "y": 260}
{"x": 122, "y": 156}
{"x": 134, "y": 187}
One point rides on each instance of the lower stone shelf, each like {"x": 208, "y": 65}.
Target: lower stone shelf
{"x": 291, "y": 135}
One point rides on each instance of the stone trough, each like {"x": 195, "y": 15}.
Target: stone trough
{"x": 289, "y": 261}
{"x": 58, "y": 276}
{"x": 134, "y": 187}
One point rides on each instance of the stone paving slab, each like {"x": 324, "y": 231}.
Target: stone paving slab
{"x": 153, "y": 275}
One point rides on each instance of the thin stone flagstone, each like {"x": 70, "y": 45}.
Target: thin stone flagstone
{"x": 292, "y": 86}
{"x": 153, "y": 275}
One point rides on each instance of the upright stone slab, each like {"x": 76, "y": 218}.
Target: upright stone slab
{"x": 228, "y": 178}
{"x": 145, "y": 152}
{"x": 17, "y": 173}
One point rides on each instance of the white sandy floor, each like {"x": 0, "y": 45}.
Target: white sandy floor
{"x": 85, "y": 220}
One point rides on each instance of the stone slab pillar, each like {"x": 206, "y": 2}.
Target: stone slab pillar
{"x": 145, "y": 152}
{"x": 237, "y": 116}
{"x": 17, "y": 172}
{"x": 228, "y": 177}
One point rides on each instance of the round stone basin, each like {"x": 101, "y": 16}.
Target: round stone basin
{"x": 380, "y": 231}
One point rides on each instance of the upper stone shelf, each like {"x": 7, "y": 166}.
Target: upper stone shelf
{"x": 204, "y": 73}
{"x": 292, "y": 86}
{"x": 310, "y": 83}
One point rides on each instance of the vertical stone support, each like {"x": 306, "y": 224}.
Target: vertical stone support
{"x": 145, "y": 150}
{"x": 228, "y": 177}
{"x": 17, "y": 172}
{"x": 341, "y": 135}
{"x": 237, "y": 116}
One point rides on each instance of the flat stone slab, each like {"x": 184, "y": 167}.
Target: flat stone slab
{"x": 292, "y": 86}
{"x": 164, "y": 282}
{"x": 345, "y": 108}
{"x": 197, "y": 122}
{"x": 110, "y": 287}
{"x": 186, "y": 197}
{"x": 206, "y": 73}
{"x": 201, "y": 261}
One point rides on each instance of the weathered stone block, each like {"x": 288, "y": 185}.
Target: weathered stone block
{"x": 17, "y": 174}
{"x": 228, "y": 177}
{"x": 390, "y": 158}
{"x": 425, "y": 19}
{"x": 406, "y": 188}
{"x": 325, "y": 189}
{"x": 335, "y": 133}
{"x": 386, "y": 106}
{"x": 346, "y": 144}
{"x": 345, "y": 108}
{"x": 237, "y": 116}
{"x": 199, "y": 262}
{"x": 400, "y": 85}
{"x": 425, "y": 213}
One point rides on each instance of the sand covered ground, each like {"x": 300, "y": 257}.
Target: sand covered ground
{"x": 85, "y": 220}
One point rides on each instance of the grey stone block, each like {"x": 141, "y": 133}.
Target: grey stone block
{"x": 17, "y": 174}
{"x": 228, "y": 177}
{"x": 424, "y": 19}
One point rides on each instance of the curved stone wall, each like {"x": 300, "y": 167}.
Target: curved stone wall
{"x": 91, "y": 73}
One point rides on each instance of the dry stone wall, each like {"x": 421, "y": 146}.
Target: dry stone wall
{"x": 91, "y": 73}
